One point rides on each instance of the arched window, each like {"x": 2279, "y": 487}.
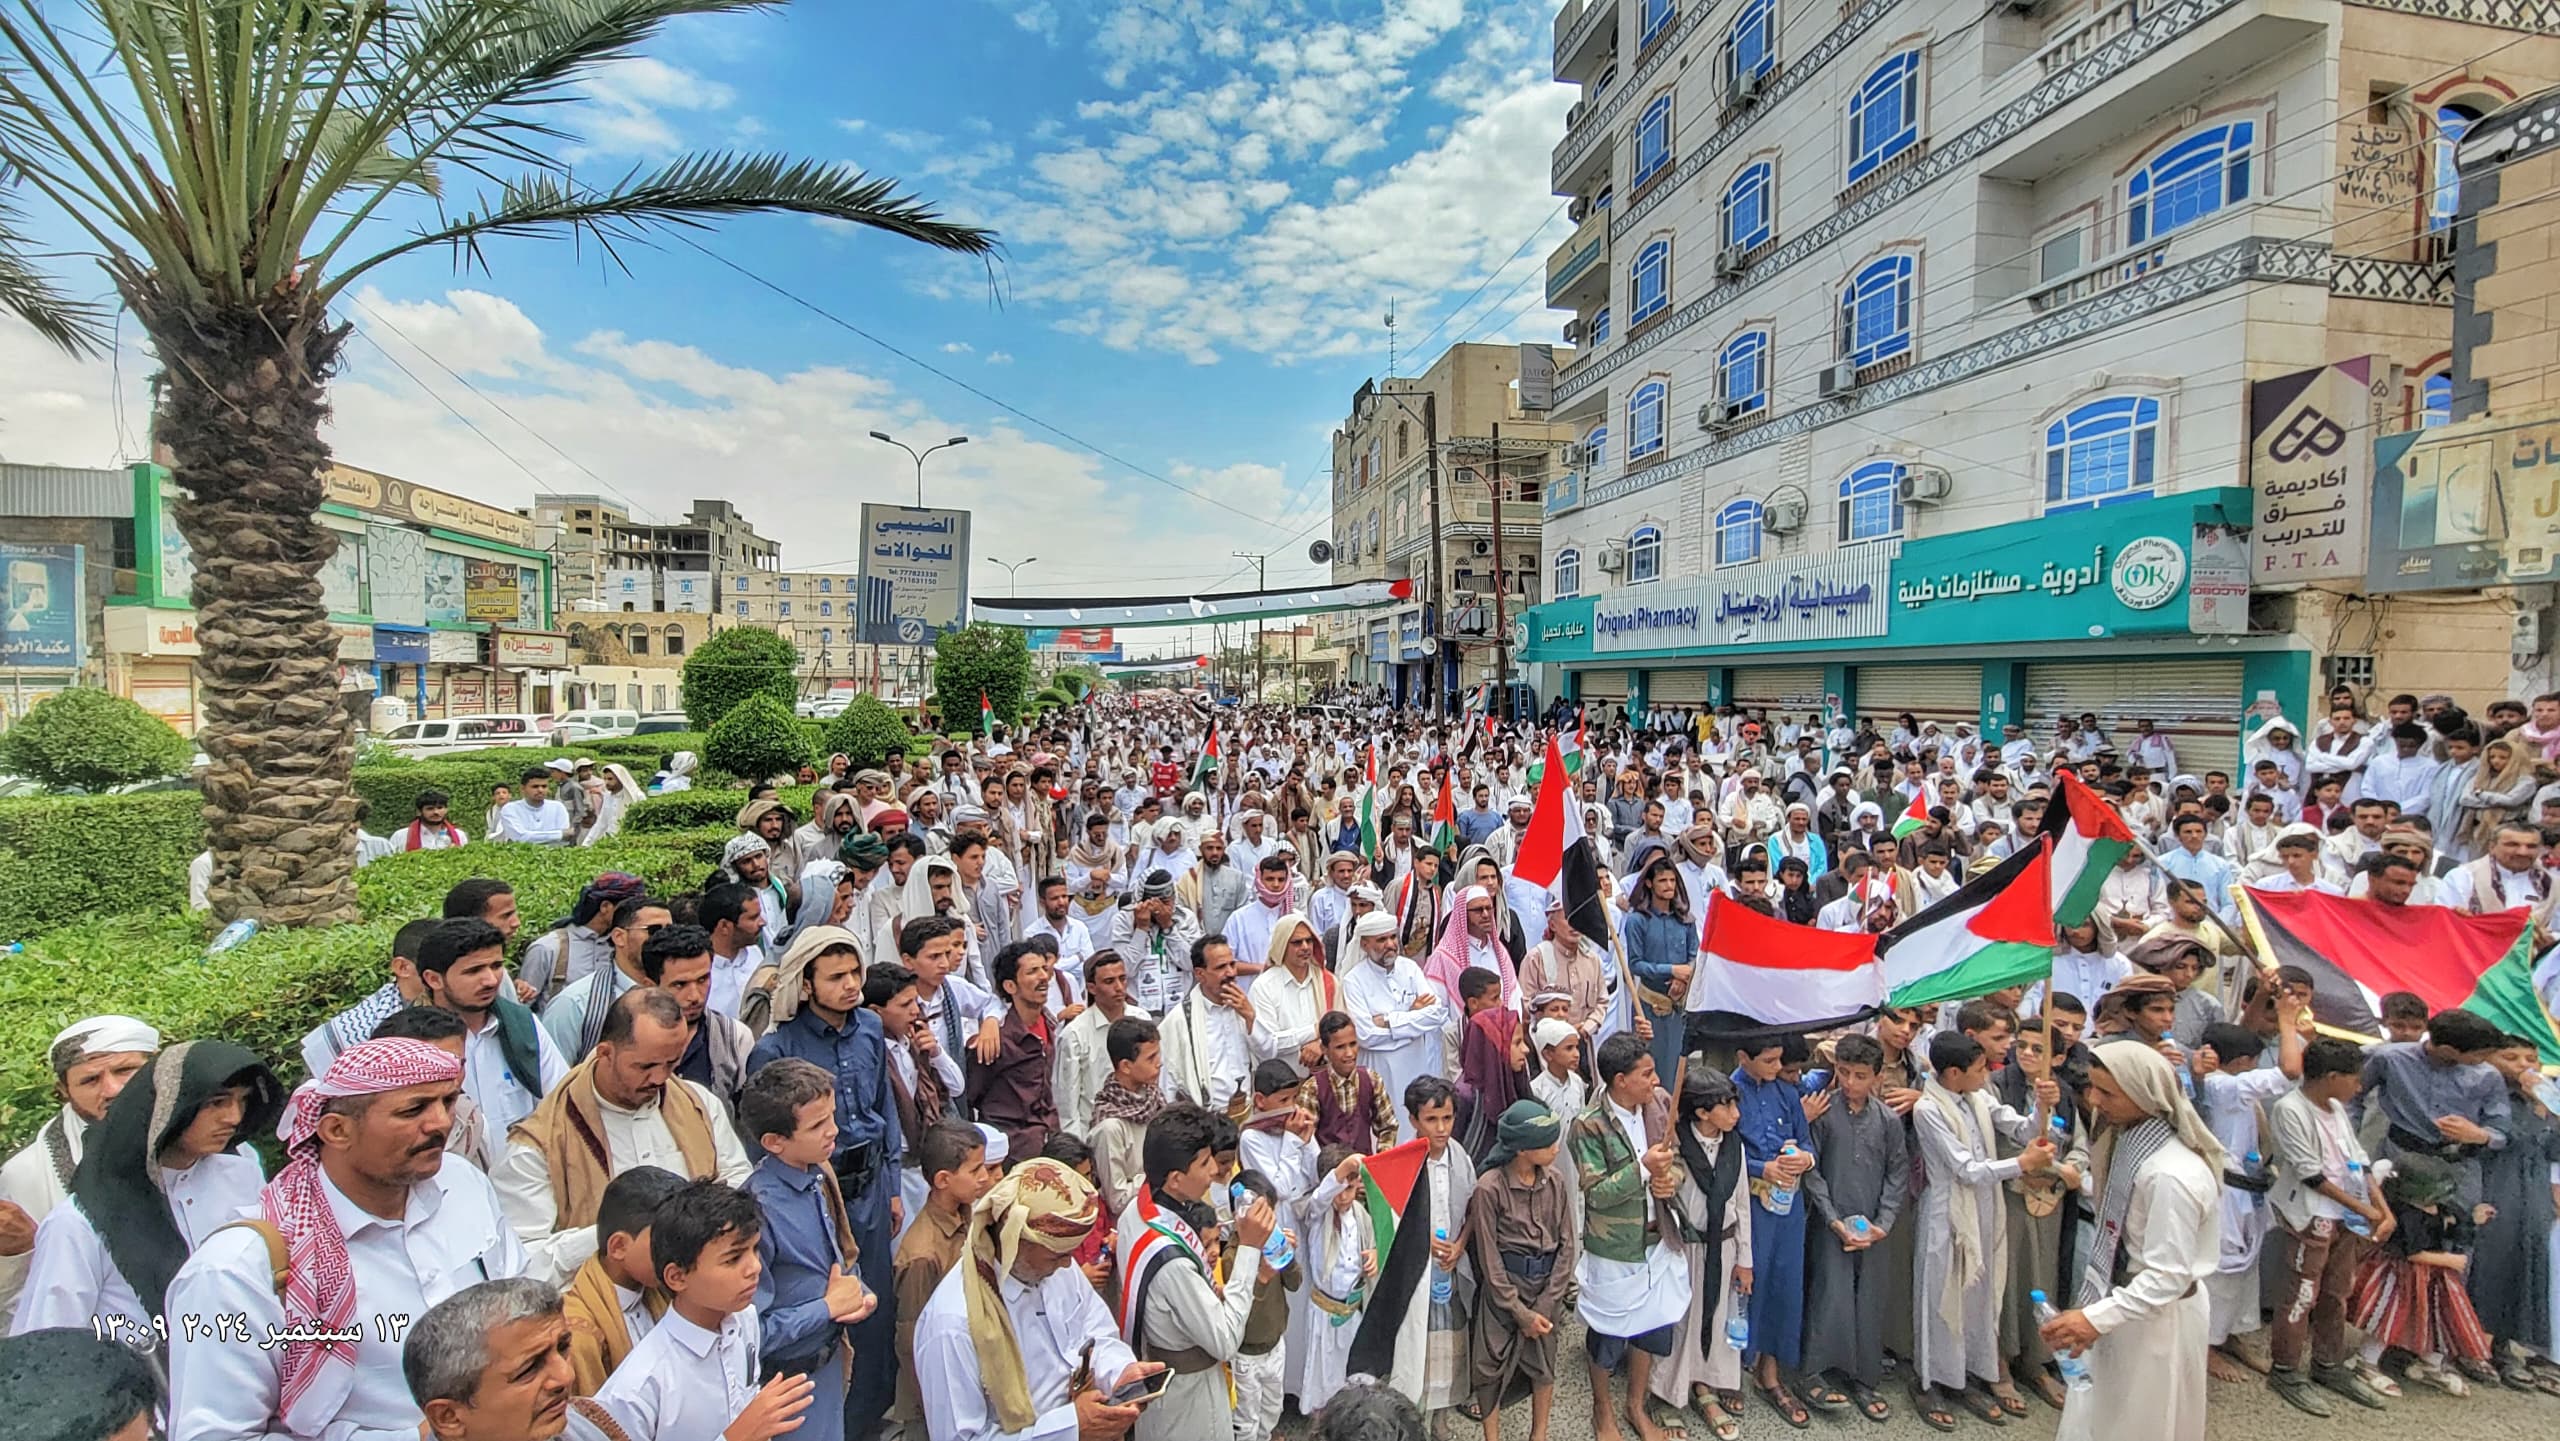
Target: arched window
{"x": 1568, "y": 581}
{"x": 1644, "y": 419}
{"x": 1751, "y": 45}
{"x": 675, "y": 640}
{"x": 1649, "y": 280}
{"x": 2444, "y": 201}
{"x": 1644, "y": 555}
{"x": 1404, "y": 439}
{"x": 1875, "y": 311}
{"x": 638, "y": 643}
{"x": 1373, "y": 530}
{"x": 1738, "y": 532}
{"x": 1657, "y": 17}
{"x": 2189, "y": 181}
{"x": 1884, "y": 113}
{"x": 1871, "y": 502}
{"x": 2435, "y": 400}
{"x": 1653, "y": 139}
{"x": 1600, "y": 325}
{"x": 1596, "y": 446}
{"x": 826, "y": 636}
{"x": 826, "y": 608}
{"x": 1750, "y": 205}
{"x": 1742, "y": 371}
{"x": 2101, "y": 452}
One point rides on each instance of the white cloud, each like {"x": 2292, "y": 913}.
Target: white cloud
{"x": 629, "y": 105}
{"x": 956, "y": 347}
{"x": 999, "y": 357}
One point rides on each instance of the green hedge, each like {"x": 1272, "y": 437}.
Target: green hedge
{"x": 701, "y": 809}
{"x": 268, "y": 993}
{"x": 63, "y": 857}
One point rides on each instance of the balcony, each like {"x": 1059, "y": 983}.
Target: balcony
{"x": 2078, "y": 285}
{"x": 1585, "y": 29}
{"x": 1578, "y": 271}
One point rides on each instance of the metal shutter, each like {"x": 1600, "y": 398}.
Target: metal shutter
{"x": 2195, "y": 703}
{"x": 1942, "y": 693}
{"x": 1608, "y": 685}
{"x": 1676, "y": 687}
{"x": 1780, "y": 688}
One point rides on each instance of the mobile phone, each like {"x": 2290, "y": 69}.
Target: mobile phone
{"x": 1143, "y": 1390}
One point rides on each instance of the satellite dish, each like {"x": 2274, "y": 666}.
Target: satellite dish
{"x": 1320, "y": 552}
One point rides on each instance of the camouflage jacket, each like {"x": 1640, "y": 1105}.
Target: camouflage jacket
{"x": 1619, "y": 1220}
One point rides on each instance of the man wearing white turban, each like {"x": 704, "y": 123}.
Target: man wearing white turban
{"x": 2142, "y": 1312}
{"x": 1399, "y": 1014}
{"x": 91, "y": 1061}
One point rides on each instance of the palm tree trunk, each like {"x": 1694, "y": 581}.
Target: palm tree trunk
{"x": 242, "y": 395}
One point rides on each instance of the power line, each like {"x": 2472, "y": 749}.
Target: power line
{"x": 1460, "y": 308}
{"x": 467, "y": 421}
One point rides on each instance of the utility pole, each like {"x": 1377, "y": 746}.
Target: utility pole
{"x": 1501, "y": 627}
{"x": 1439, "y": 605}
{"x": 1261, "y": 581}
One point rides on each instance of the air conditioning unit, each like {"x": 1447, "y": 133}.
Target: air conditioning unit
{"x": 1783, "y": 515}
{"x": 1731, "y": 261}
{"x": 1574, "y": 331}
{"x": 1613, "y": 557}
{"x": 1482, "y": 547}
{"x": 1925, "y": 485}
{"x": 1573, "y": 117}
{"x": 1839, "y": 381}
{"x": 1743, "y": 88}
{"x": 1578, "y": 211}
{"x": 1718, "y": 415}
{"x": 1574, "y": 456}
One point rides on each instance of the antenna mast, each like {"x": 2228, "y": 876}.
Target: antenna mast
{"x": 1391, "y": 338}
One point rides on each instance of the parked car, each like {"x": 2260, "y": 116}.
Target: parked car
{"x": 662, "y": 723}
{"x": 604, "y": 722}
{"x": 421, "y": 739}
{"x": 567, "y": 734}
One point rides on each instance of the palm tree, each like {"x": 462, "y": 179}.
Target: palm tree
{"x": 234, "y": 166}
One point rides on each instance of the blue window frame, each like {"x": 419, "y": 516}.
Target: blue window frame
{"x": 1750, "y": 205}
{"x": 1649, "y": 280}
{"x": 1871, "y": 502}
{"x": 2435, "y": 400}
{"x": 742, "y": 607}
{"x": 1751, "y": 45}
{"x": 1875, "y": 311}
{"x": 741, "y": 585}
{"x": 782, "y": 583}
{"x": 2444, "y": 201}
{"x": 1644, "y": 419}
{"x": 826, "y": 608}
{"x": 1568, "y": 581}
{"x": 1600, "y": 325}
{"x": 2102, "y": 452}
{"x": 826, "y": 637}
{"x": 1596, "y": 446}
{"x": 1738, "y": 532}
{"x": 826, "y": 585}
{"x": 786, "y": 610}
{"x": 2189, "y": 181}
{"x": 1884, "y": 113}
{"x": 1742, "y": 370}
{"x": 1653, "y": 139}
{"x": 1644, "y": 555}
{"x": 1657, "y": 17}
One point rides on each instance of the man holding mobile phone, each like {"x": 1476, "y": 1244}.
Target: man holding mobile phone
{"x": 1015, "y": 1342}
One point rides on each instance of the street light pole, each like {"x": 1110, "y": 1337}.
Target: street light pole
{"x": 1010, "y": 566}
{"x": 1261, "y": 581}
{"x": 886, "y": 438}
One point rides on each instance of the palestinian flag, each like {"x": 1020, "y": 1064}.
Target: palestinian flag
{"x": 1914, "y": 815}
{"x": 2089, "y": 838}
{"x": 986, "y": 716}
{"x": 1995, "y": 931}
{"x": 1444, "y": 816}
{"x": 1206, "y": 763}
{"x": 1369, "y": 808}
{"x": 1401, "y": 1223}
{"x": 2358, "y": 951}
{"x": 1569, "y": 747}
{"x": 1556, "y": 854}
{"x": 1759, "y": 978}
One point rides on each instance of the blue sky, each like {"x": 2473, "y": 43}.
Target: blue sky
{"x": 1206, "y": 207}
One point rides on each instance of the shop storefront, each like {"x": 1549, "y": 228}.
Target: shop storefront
{"x": 2087, "y": 612}
{"x": 153, "y": 663}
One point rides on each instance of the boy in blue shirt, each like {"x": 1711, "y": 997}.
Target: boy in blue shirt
{"x": 810, "y": 1290}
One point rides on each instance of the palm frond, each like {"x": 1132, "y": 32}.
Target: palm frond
{"x": 690, "y": 192}
{"x": 29, "y": 294}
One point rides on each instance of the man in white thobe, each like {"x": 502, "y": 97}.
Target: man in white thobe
{"x": 1398, "y": 1014}
{"x": 1210, "y": 1045}
{"x": 2142, "y": 1317}
{"x": 1293, "y": 993}
{"x": 1962, "y": 1232}
{"x": 91, "y": 1062}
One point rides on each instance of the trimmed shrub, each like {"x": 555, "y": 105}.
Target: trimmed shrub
{"x": 733, "y": 665}
{"x": 87, "y": 740}
{"x": 648, "y": 748}
{"x": 981, "y": 659}
{"x": 758, "y": 739}
{"x": 867, "y": 733}
{"x": 66, "y": 858}
{"x": 684, "y": 811}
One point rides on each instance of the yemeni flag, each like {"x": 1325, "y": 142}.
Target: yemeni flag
{"x": 1150, "y": 1238}
{"x": 1369, "y": 807}
{"x": 1556, "y": 854}
{"x": 1444, "y": 816}
{"x": 2089, "y": 838}
{"x": 1760, "y": 979}
{"x": 1207, "y": 760}
{"x": 1995, "y": 931}
{"x": 986, "y": 716}
{"x": 2357, "y": 951}
{"x": 1401, "y": 1222}
{"x": 1914, "y": 815}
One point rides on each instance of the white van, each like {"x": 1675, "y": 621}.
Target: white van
{"x": 420, "y": 739}
{"x": 603, "y": 722}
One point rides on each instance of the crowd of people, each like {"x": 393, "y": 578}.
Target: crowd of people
{"x": 1037, "y": 1087}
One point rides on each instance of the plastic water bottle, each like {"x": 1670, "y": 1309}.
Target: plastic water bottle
{"x": 14, "y": 948}
{"x": 1737, "y": 1331}
{"x": 1782, "y": 1198}
{"x": 1860, "y": 1226}
{"x": 2355, "y": 1186}
{"x": 2074, "y": 1369}
{"x": 1443, "y": 1285}
{"x": 2253, "y": 1167}
{"x": 232, "y": 935}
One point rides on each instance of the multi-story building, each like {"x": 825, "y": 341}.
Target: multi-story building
{"x": 1916, "y": 343}
{"x": 579, "y": 532}
{"x": 1419, "y": 460}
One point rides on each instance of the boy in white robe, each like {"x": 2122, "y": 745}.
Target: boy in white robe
{"x": 2232, "y": 1087}
{"x": 1962, "y": 1228}
{"x": 1340, "y": 1252}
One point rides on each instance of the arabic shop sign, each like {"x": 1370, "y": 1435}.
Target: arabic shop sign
{"x": 1781, "y": 603}
{"x": 2311, "y": 454}
{"x": 2113, "y": 571}
{"x": 2473, "y": 504}
{"x": 43, "y": 607}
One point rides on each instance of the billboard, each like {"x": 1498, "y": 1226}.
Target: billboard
{"x": 1088, "y": 641}
{"x": 41, "y": 606}
{"x": 915, "y": 574}
{"x": 2311, "y": 438}
{"x": 2465, "y": 505}
{"x": 491, "y": 591}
